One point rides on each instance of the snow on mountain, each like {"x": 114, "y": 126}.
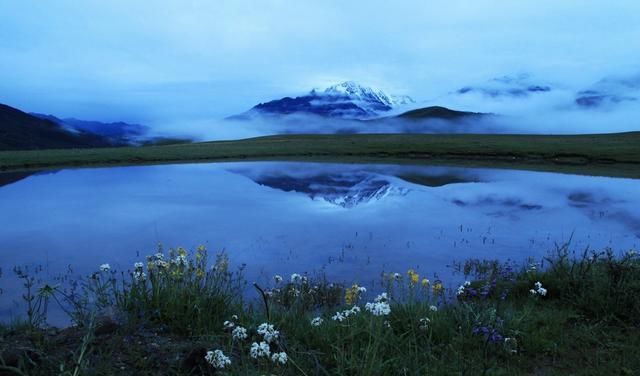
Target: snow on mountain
{"x": 348, "y": 100}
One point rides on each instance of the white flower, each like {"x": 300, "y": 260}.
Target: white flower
{"x": 362, "y": 290}
{"x": 317, "y": 321}
{"x": 381, "y": 298}
{"x": 181, "y": 260}
{"x": 338, "y": 317}
{"x": 277, "y": 278}
{"x": 424, "y": 323}
{"x": 159, "y": 256}
{"x": 632, "y": 253}
{"x": 217, "y": 359}
{"x": 466, "y": 283}
{"x": 139, "y": 275}
{"x": 539, "y": 290}
{"x": 268, "y": 332}
{"x": 105, "y": 267}
{"x": 234, "y": 317}
{"x": 228, "y": 324}
{"x": 460, "y": 290}
{"x": 259, "y": 350}
{"x": 280, "y": 357}
{"x": 433, "y": 308}
{"x": 239, "y": 333}
{"x": 138, "y": 265}
{"x": 295, "y": 277}
{"x": 397, "y": 276}
{"x": 378, "y": 308}
{"x": 161, "y": 264}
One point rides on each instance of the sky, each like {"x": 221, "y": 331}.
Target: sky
{"x": 169, "y": 64}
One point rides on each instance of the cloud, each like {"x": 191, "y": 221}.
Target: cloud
{"x": 177, "y": 62}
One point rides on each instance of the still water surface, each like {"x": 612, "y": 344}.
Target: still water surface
{"x": 351, "y": 222}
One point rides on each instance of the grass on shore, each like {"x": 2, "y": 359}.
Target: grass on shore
{"x": 603, "y": 154}
{"x": 567, "y": 315}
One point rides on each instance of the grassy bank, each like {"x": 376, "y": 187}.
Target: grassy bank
{"x": 177, "y": 314}
{"x": 608, "y": 154}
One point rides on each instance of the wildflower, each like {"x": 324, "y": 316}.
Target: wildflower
{"x": 268, "y": 332}
{"x": 539, "y": 290}
{"x": 386, "y": 324}
{"x": 317, "y": 321}
{"x": 105, "y": 267}
{"x": 181, "y": 260}
{"x": 228, "y": 324}
{"x": 161, "y": 264}
{"x": 424, "y": 323}
{"x": 632, "y": 253}
{"x": 433, "y": 308}
{"x": 295, "y": 277}
{"x": 397, "y": 276}
{"x": 413, "y": 277}
{"x": 277, "y": 278}
{"x": 159, "y": 256}
{"x": 340, "y": 316}
{"x": 425, "y": 283}
{"x": 217, "y": 359}
{"x": 378, "y": 309}
{"x": 437, "y": 287}
{"x": 139, "y": 275}
{"x": 352, "y": 294}
{"x": 259, "y": 350}
{"x": 380, "y": 306}
{"x": 234, "y": 317}
{"x": 138, "y": 265}
{"x": 280, "y": 357}
{"x": 239, "y": 333}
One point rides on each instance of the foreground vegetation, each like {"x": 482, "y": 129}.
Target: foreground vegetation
{"x": 177, "y": 314}
{"x": 605, "y": 154}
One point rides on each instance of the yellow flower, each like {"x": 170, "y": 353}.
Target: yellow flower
{"x": 352, "y": 294}
{"x": 182, "y": 251}
{"x": 200, "y": 273}
{"x": 413, "y": 277}
{"x": 437, "y": 287}
{"x": 425, "y": 283}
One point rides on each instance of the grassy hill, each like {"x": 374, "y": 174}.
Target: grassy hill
{"x": 436, "y": 112}
{"x": 21, "y": 131}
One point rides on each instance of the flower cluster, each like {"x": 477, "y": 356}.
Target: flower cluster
{"x": 259, "y": 350}
{"x": 277, "y": 278}
{"x": 538, "y": 290}
{"x": 491, "y": 334}
{"x": 317, "y": 321}
{"x": 424, "y": 323}
{"x": 437, "y": 287}
{"x": 352, "y": 294}
{"x": 268, "y": 332}
{"x": 341, "y": 316}
{"x": 380, "y": 305}
{"x": 413, "y": 277}
{"x": 280, "y": 357}
{"x": 217, "y": 359}
{"x": 105, "y": 267}
{"x": 239, "y": 333}
{"x": 462, "y": 288}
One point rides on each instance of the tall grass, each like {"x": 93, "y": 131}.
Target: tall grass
{"x": 568, "y": 314}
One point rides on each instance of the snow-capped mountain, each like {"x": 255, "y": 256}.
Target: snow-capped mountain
{"x": 348, "y": 100}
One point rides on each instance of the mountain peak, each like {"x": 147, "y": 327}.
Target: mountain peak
{"x": 355, "y": 91}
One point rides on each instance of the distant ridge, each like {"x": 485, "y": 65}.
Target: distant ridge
{"x": 436, "y": 112}
{"x": 21, "y": 131}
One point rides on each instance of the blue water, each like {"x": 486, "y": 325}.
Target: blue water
{"x": 351, "y": 222}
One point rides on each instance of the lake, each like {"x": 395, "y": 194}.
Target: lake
{"x": 351, "y": 222}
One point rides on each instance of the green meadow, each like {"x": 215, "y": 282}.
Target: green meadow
{"x": 603, "y": 154}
